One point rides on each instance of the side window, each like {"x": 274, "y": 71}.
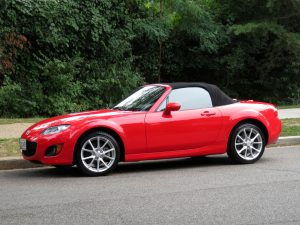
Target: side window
{"x": 188, "y": 98}
{"x": 163, "y": 105}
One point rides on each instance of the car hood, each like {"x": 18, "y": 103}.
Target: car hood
{"x": 75, "y": 118}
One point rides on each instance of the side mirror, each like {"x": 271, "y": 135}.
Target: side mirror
{"x": 172, "y": 106}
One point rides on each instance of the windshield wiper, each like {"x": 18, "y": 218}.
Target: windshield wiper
{"x": 126, "y": 109}
{"x": 121, "y": 108}
{"x": 134, "y": 109}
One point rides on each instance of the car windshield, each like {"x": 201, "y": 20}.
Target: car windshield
{"x": 141, "y": 100}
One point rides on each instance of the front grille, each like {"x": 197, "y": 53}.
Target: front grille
{"x": 30, "y": 148}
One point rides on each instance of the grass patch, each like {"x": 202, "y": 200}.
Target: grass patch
{"x": 290, "y": 127}
{"x": 19, "y": 120}
{"x": 288, "y": 106}
{"x": 9, "y": 147}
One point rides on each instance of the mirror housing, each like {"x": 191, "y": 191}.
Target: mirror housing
{"x": 172, "y": 106}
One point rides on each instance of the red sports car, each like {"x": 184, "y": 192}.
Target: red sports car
{"x": 158, "y": 121}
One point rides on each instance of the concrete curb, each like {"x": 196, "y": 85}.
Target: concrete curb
{"x": 287, "y": 141}
{"x": 9, "y": 163}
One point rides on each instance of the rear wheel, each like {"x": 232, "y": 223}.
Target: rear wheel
{"x": 98, "y": 153}
{"x": 246, "y": 144}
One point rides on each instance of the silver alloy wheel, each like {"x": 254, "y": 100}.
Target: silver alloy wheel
{"x": 98, "y": 154}
{"x": 248, "y": 143}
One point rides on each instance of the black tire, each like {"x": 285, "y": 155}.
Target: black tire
{"x": 79, "y": 161}
{"x": 232, "y": 150}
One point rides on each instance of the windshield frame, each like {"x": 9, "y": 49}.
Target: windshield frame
{"x": 153, "y": 106}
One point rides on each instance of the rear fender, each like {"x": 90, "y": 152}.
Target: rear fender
{"x": 244, "y": 115}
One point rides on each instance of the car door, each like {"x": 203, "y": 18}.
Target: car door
{"x": 196, "y": 124}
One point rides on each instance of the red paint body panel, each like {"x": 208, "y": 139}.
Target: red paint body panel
{"x": 182, "y": 130}
{"x": 153, "y": 135}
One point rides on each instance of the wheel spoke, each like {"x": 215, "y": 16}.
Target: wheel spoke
{"x": 92, "y": 162}
{"x": 246, "y": 152}
{"x": 239, "y": 143}
{"x": 91, "y": 145}
{"x": 255, "y": 137}
{"x": 98, "y": 164}
{"x": 250, "y": 132}
{"x": 108, "y": 157}
{"x": 255, "y": 149}
{"x": 240, "y": 137}
{"x": 105, "y": 144}
{"x": 87, "y": 150}
{"x": 109, "y": 150}
{"x": 98, "y": 142}
{"x": 89, "y": 157}
{"x": 258, "y": 142}
{"x": 103, "y": 162}
{"x": 251, "y": 152}
{"x": 243, "y": 149}
{"x": 245, "y": 133}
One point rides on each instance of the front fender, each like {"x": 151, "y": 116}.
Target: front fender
{"x": 77, "y": 132}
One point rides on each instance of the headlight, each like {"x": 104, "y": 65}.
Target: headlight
{"x": 56, "y": 129}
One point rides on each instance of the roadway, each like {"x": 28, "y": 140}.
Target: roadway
{"x": 208, "y": 190}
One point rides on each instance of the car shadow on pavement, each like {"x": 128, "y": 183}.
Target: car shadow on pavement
{"x": 127, "y": 168}
{"x": 171, "y": 164}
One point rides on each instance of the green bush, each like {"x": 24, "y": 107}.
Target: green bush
{"x": 61, "y": 56}
{"x": 64, "y": 56}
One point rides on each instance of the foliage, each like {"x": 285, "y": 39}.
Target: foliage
{"x": 62, "y": 56}
{"x": 263, "y": 54}
{"x": 58, "y": 58}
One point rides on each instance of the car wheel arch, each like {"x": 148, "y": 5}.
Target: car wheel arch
{"x": 256, "y": 122}
{"x": 106, "y": 130}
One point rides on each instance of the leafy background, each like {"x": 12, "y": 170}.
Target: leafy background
{"x": 60, "y": 56}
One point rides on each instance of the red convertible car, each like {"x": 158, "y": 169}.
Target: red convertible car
{"x": 158, "y": 121}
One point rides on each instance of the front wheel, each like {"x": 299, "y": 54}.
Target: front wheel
{"x": 98, "y": 153}
{"x": 246, "y": 144}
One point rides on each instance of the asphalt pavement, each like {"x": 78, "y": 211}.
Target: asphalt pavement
{"x": 207, "y": 190}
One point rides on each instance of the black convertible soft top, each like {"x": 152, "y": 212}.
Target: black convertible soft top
{"x": 218, "y": 97}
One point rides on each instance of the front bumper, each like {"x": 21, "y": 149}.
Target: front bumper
{"x": 37, "y": 146}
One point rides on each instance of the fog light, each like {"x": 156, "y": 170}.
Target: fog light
{"x": 54, "y": 150}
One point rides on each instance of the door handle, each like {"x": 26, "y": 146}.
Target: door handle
{"x": 207, "y": 113}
